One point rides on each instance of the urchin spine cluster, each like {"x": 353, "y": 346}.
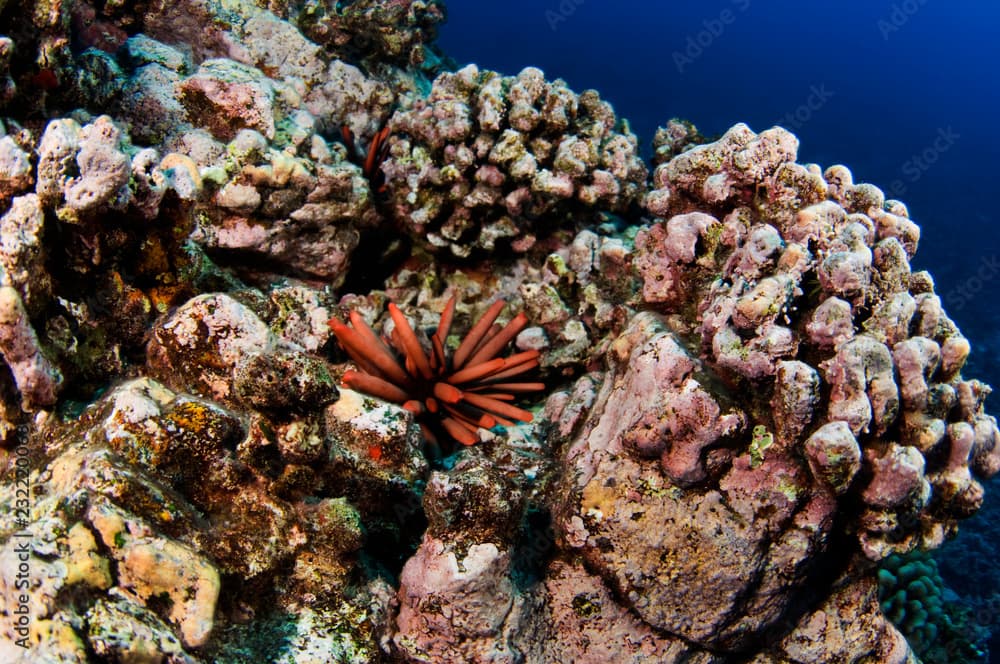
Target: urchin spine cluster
{"x": 465, "y": 391}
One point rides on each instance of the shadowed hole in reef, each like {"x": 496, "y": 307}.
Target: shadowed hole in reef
{"x": 392, "y": 537}
{"x": 825, "y": 572}
{"x": 376, "y": 258}
{"x": 253, "y": 638}
{"x": 534, "y": 548}
{"x": 251, "y": 267}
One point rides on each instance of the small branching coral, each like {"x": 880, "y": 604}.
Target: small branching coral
{"x": 462, "y": 392}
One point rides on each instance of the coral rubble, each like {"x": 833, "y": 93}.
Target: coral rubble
{"x": 744, "y": 403}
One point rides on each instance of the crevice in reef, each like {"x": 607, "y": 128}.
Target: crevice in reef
{"x": 379, "y": 255}
{"x": 391, "y": 540}
{"x": 534, "y": 548}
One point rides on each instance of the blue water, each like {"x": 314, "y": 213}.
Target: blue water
{"x": 904, "y": 93}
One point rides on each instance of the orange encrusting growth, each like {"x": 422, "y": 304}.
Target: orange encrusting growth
{"x": 469, "y": 391}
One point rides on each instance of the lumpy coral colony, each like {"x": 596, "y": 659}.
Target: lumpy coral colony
{"x": 234, "y": 243}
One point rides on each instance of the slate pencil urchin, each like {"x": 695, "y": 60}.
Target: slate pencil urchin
{"x": 470, "y": 389}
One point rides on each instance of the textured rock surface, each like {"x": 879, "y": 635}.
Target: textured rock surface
{"x": 689, "y": 561}
{"x": 578, "y": 619}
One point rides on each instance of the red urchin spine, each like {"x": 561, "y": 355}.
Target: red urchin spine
{"x": 466, "y": 392}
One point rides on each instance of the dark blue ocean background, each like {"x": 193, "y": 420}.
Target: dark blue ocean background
{"x": 904, "y": 93}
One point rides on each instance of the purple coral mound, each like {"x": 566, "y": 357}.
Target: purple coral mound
{"x": 487, "y": 157}
{"x": 790, "y": 400}
{"x": 801, "y": 283}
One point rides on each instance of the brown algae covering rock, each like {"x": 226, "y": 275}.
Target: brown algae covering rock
{"x": 744, "y": 397}
{"x": 688, "y": 561}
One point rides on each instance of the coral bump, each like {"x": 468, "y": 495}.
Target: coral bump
{"x": 469, "y": 390}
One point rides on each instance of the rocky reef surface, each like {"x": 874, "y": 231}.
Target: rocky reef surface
{"x": 748, "y": 397}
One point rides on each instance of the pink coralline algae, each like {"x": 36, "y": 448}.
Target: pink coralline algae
{"x": 784, "y": 262}
{"x": 786, "y": 303}
{"x": 37, "y": 379}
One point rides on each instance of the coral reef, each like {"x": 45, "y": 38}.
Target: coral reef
{"x": 914, "y": 597}
{"x": 782, "y": 262}
{"x": 484, "y": 155}
{"x": 374, "y": 32}
{"x": 742, "y": 399}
